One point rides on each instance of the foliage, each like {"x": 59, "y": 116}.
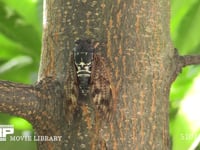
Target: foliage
{"x": 20, "y": 36}
{"x": 185, "y": 24}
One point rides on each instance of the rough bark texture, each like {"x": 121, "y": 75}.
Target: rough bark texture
{"x": 36, "y": 103}
{"x": 139, "y": 54}
{"x": 134, "y": 39}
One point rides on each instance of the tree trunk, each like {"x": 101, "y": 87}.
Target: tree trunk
{"x": 136, "y": 48}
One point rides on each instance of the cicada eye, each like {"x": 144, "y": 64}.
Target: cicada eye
{"x": 89, "y": 57}
{"x": 76, "y": 59}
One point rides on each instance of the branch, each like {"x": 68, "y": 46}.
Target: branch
{"x": 43, "y": 105}
{"x": 189, "y": 60}
{"x": 182, "y": 61}
{"x": 186, "y": 60}
{"x": 44, "y": 100}
{"x": 17, "y": 99}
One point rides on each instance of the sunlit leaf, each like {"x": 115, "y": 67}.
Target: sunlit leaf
{"x": 20, "y": 123}
{"x": 19, "y": 61}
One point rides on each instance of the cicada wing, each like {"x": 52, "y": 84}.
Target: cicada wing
{"x": 100, "y": 89}
{"x": 71, "y": 88}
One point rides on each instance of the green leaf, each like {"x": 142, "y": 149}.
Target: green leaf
{"x": 20, "y": 124}
{"x": 183, "y": 82}
{"x": 185, "y": 25}
{"x": 16, "y": 28}
{"x": 9, "y": 49}
{"x": 19, "y": 61}
{"x": 185, "y": 128}
{"x": 182, "y": 135}
{"x": 29, "y": 10}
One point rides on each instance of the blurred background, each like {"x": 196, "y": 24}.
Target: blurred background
{"x": 20, "y": 44}
{"x": 185, "y": 91}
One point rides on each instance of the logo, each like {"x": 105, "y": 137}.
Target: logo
{"x": 5, "y": 130}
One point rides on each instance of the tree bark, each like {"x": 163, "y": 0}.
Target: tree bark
{"x": 135, "y": 43}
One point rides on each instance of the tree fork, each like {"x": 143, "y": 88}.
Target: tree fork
{"x": 38, "y": 104}
{"x": 182, "y": 61}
